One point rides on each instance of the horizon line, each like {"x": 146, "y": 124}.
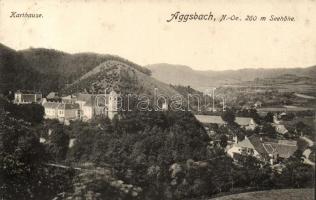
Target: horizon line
{"x": 217, "y": 69}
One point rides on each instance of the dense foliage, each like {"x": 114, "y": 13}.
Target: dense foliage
{"x": 197, "y": 101}
{"x": 33, "y": 113}
{"x": 23, "y": 173}
{"x": 138, "y": 155}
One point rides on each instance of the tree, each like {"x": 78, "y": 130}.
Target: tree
{"x": 21, "y": 162}
{"x": 223, "y": 141}
{"x": 254, "y": 114}
{"x": 269, "y": 117}
{"x": 302, "y": 128}
{"x": 269, "y": 130}
{"x": 32, "y": 113}
{"x": 228, "y": 116}
{"x": 59, "y": 142}
{"x": 296, "y": 173}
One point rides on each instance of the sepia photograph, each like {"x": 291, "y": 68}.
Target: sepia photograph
{"x": 157, "y": 100}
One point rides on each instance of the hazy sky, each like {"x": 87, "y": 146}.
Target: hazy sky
{"x": 138, "y": 31}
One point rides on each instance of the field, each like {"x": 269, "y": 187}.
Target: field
{"x": 285, "y": 109}
{"x": 285, "y": 194}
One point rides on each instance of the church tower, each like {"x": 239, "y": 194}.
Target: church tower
{"x": 112, "y": 106}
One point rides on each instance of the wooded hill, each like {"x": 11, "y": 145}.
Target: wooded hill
{"x": 49, "y": 70}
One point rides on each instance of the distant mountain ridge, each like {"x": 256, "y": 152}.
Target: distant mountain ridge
{"x": 49, "y": 70}
{"x": 184, "y": 75}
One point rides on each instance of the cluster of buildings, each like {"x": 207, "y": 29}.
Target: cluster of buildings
{"x": 265, "y": 149}
{"x": 73, "y": 107}
{"x": 84, "y": 107}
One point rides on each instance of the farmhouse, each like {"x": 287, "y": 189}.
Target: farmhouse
{"x": 27, "y": 97}
{"x": 280, "y": 128}
{"x": 270, "y": 150}
{"x": 248, "y": 146}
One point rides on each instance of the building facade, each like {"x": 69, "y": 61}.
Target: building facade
{"x": 83, "y": 106}
{"x": 27, "y": 97}
{"x": 61, "y": 111}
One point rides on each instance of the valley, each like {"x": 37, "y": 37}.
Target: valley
{"x": 235, "y": 131}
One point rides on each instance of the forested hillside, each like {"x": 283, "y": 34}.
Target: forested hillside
{"x": 48, "y": 70}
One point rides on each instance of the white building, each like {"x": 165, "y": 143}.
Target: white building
{"x": 50, "y": 109}
{"x": 244, "y": 147}
{"x": 91, "y": 105}
{"x": 27, "y": 97}
{"x": 82, "y": 106}
{"x": 61, "y": 111}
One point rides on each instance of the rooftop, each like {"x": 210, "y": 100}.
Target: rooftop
{"x": 27, "y": 92}
{"x": 57, "y": 105}
{"x": 68, "y": 106}
{"x": 282, "y": 148}
{"x": 52, "y": 105}
{"x": 52, "y": 95}
{"x": 213, "y": 119}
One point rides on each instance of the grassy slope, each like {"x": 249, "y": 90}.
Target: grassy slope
{"x": 285, "y": 194}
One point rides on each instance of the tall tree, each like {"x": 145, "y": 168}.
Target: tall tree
{"x": 229, "y": 116}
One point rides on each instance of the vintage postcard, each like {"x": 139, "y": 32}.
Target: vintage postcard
{"x": 157, "y": 99}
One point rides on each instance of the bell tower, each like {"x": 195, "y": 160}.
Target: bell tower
{"x": 112, "y": 106}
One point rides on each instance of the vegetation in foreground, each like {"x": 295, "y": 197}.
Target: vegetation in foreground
{"x": 142, "y": 155}
{"x": 284, "y": 194}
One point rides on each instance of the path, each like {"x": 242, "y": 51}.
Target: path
{"x": 308, "y": 151}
